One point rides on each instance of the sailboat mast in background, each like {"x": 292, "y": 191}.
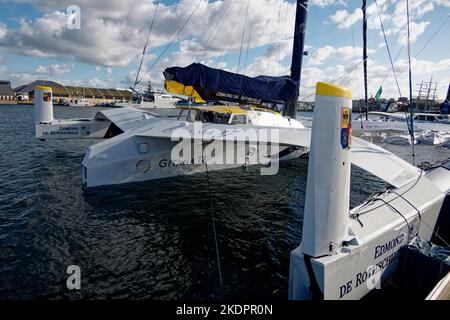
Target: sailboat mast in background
{"x": 365, "y": 57}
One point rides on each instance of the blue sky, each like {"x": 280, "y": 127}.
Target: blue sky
{"x": 36, "y": 44}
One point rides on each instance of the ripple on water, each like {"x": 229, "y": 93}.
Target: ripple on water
{"x": 152, "y": 240}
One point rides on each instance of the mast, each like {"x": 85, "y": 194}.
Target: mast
{"x": 365, "y": 57}
{"x": 448, "y": 94}
{"x": 301, "y": 18}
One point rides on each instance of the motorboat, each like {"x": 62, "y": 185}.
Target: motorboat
{"x": 383, "y": 121}
{"x": 80, "y": 102}
{"x": 153, "y": 101}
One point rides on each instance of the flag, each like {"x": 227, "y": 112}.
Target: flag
{"x": 379, "y": 93}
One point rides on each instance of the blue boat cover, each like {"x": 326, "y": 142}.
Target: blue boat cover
{"x": 215, "y": 84}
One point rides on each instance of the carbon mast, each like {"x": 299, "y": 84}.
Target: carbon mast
{"x": 301, "y": 18}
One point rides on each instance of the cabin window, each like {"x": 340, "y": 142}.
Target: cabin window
{"x": 421, "y": 118}
{"x": 181, "y": 114}
{"x": 239, "y": 119}
{"x": 213, "y": 117}
{"x": 205, "y": 116}
{"x": 188, "y": 115}
{"x": 431, "y": 118}
{"x": 222, "y": 118}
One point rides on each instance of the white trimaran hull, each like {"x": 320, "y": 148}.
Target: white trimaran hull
{"x": 137, "y": 158}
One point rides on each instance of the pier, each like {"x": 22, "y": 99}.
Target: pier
{"x": 6, "y": 93}
{"x": 62, "y": 94}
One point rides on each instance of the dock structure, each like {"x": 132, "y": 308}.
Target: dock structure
{"x": 6, "y": 93}
{"x": 441, "y": 291}
{"x": 65, "y": 93}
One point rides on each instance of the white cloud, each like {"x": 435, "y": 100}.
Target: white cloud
{"x": 394, "y": 17}
{"x": 423, "y": 67}
{"x": 321, "y": 54}
{"x": 114, "y": 31}
{"x": 416, "y": 29}
{"x": 92, "y": 83}
{"x": 398, "y": 19}
{"x": 53, "y": 70}
{"x": 344, "y": 53}
{"x": 344, "y": 20}
{"x": 41, "y": 72}
{"x": 326, "y": 3}
{"x": 3, "y": 30}
{"x": 351, "y": 76}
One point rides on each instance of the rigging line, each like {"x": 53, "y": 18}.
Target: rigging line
{"x": 248, "y": 48}
{"x": 243, "y": 36}
{"x": 395, "y": 60}
{"x": 272, "y": 39}
{"x": 344, "y": 74}
{"x": 279, "y": 35}
{"x": 213, "y": 219}
{"x": 365, "y": 55}
{"x": 423, "y": 48}
{"x": 176, "y": 35}
{"x": 349, "y": 6}
{"x": 137, "y": 81}
{"x": 390, "y": 206}
{"x": 436, "y": 234}
{"x": 433, "y": 36}
{"x": 221, "y": 21}
{"x": 409, "y": 202}
{"x": 387, "y": 47}
{"x": 211, "y": 35}
{"x": 411, "y": 105}
{"x": 349, "y": 70}
{"x": 230, "y": 38}
{"x": 395, "y": 198}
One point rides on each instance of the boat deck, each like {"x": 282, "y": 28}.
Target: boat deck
{"x": 442, "y": 290}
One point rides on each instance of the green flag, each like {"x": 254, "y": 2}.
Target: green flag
{"x": 379, "y": 93}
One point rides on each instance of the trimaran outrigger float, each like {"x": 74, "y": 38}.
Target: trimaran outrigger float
{"x": 342, "y": 251}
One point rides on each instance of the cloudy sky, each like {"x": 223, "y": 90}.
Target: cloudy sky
{"x": 36, "y": 42}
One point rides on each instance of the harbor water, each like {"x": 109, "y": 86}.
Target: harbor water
{"x": 151, "y": 240}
